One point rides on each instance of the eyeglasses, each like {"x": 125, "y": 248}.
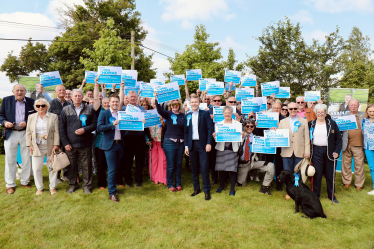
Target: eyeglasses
{"x": 249, "y": 126}
{"x": 312, "y": 103}
{"x": 292, "y": 109}
{"x": 175, "y": 104}
{"x": 232, "y": 102}
{"x": 300, "y": 102}
{"x": 285, "y": 110}
{"x": 40, "y": 106}
{"x": 217, "y": 100}
{"x": 269, "y": 103}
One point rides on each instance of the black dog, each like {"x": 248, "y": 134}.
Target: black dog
{"x": 302, "y": 196}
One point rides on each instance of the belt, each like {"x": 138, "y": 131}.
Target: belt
{"x": 319, "y": 146}
{"x": 117, "y": 141}
{"x": 19, "y": 129}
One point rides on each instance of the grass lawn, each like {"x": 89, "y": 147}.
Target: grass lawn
{"x": 152, "y": 216}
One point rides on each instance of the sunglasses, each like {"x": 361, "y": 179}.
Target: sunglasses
{"x": 300, "y": 102}
{"x": 292, "y": 109}
{"x": 42, "y": 106}
{"x": 217, "y": 100}
{"x": 269, "y": 103}
{"x": 232, "y": 102}
{"x": 176, "y": 104}
{"x": 249, "y": 126}
{"x": 285, "y": 110}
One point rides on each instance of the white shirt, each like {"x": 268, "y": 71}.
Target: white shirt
{"x": 246, "y": 147}
{"x": 292, "y": 123}
{"x": 195, "y": 127}
{"x": 41, "y": 129}
{"x": 117, "y": 133}
{"x": 320, "y": 135}
{"x": 78, "y": 109}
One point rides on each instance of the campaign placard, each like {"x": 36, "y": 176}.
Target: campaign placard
{"x": 269, "y": 88}
{"x": 232, "y": 76}
{"x": 312, "y": 95}
{"x": 203, "y": 106}
{"x": 151, "y": 118}
{"x": 258, "y": 146}
{"x": 130, "y": 77}
{"x": 111, "y": 75}
{"x": 243, "y": 93}
{"x": 267, "y": 119}
{"x": 50, "y": 79}
{"x": 218, "y": 113}
{"x": 346, "y": 123}
{"x": 227, "y": 87}
{"x": 264, "y": 104}
{"x": 203, "y": 82}
{"x": 157, "y": 82}
{"x": 90, "y": 76}
{"x": 131, "y": 122}
{"x": 229, "y": 132}
{"x": 178, "y": 78}
{"x": 249, "y": 80}
{"x": 215, "y": 88}
{"x": 130, "y": 109}
{"x": 251, "y": 105}
{"x": 284, "y": 92}
{"x": 193, "y": 74}
{"x": 136, "y": 88}
{"x": 167, "y": 92}
{"x": 277, "y": 138}
{"x": 147, "y": 90}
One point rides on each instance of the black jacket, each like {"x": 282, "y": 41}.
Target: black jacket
{"x": 334, "y": 137}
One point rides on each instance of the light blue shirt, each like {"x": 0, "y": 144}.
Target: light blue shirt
{"x": 195, "y": 125}
{"x": 292, "y": 123}
{"x": 47, "y": 97}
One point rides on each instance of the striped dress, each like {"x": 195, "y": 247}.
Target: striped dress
{"x": 227, "y": 160}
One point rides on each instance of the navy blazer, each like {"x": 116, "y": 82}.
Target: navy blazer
{"x": 205, "y": 127}
{"x": 8, "y": 112}
{"x": 105, "y": 126}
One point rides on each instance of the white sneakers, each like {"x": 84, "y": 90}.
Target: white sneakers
{"x": 371, "y": 192}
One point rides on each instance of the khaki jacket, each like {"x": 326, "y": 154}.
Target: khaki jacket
{"x": 53, "y": 137}
{"x": 299, "y": 141}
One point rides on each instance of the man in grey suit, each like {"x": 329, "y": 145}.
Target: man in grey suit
{"x": 344, "y": 106}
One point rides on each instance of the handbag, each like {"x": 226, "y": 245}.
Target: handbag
{"x": 57, "y": 161}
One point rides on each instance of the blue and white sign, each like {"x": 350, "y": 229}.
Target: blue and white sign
{"x": 151, "y": 118}
{"x": 147, "y": 90}
{"x": 284, "y": 93}
{"x": 277, "y": 138}
{"x": 157, "y": 81}
{"x": 218, "y": 113}
{"x": 50, "y": 79}
{"x": 312, "y": 95}
{"x": 111, "y": 75}
{"x": 264, "y": 104}
{"x": 251, "y": 105}
{"x": 346, "y": 123}
{"x": 229, "y": 132}
{"x": 258, "y": 146}
{"x": 269, "y": 88}
{"x": 227, "y": 87}
{"x": 203, "y": 82}
{"x": 203, "y": 106}
{"x": 267, "y": 119}
{"x": 243, "y": 93}
{"x": 90, "y": 76}
{"x": 130, "y": 109}
{"x": 193, "y": 74}
{"x": 136, "y": 88}
{"x": 130, "y": 77}
{"x": 178, "y": 78}
{"x": 131, "y": 122}
{"x": 215, "y": 88}
{"x": 232, "y": 76}
{"x": 249, "y": 80}
{"x": 167, "y": 92}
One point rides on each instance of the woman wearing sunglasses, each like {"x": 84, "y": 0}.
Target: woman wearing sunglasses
{"x": 42, "y": 136}
{"x": 173, "y": 141}
{"x": 284, "y": 111}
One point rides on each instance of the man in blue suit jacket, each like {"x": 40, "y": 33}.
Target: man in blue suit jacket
{"x": 111, "y": 143}
{"x": 198, "y": 141}
{"x": 14, "y": 112}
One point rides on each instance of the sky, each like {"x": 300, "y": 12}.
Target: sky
{"x": 171, "y": 23}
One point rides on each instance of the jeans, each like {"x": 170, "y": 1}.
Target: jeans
{"x": 289, "y": 163}
{"x": 370, "y": 158}
{"x": 174, "y": 156}
{"x": 113, "y": 159}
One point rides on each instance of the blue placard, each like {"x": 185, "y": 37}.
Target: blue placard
{"x": 268, "y": 92}
{"x": 229, "y": 137}
{"x": 312, "y": 96}
{"x": 284, "y": 93}
{"x": 131, "y": 125}
{"x": 276, "y": 142}
{"x": 347, "y": 126}
{"x": 267, "y": 123}
{"x": 147, "y": 93}
{"x": 52, "y": 82}
{"x": 177, "y": 78}
{"x": 248, "y": 109}
{"x": 90, "y": 76}
{"x": 218, "y": 118}
{"x": 227, "y": 86}
{"x": 127, "y": 90}
{"x": 269, "y": 88}
{"x": 346, "y": 123}
{"x": 129, "y": 82}
{"x": 169, "y": 96}
{"x": 248, "y": 80}
{"x": 239, "y": 97}
{"x": 152, "y": 122}
{"x": 50, "y": 79}
{"x": 234, "y": 79}
{"x": 193, "y": 74}
{"x": 263, "y": 107}
{"x": 256, "y": 148}
{"x": 267, "y": 119}
{"x": 110, "y": 79}
{"x": 215, "y": 91}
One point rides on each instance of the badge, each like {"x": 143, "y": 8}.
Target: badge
{"x": 332, "y": 131}
{"x": 188, "y": 120}
{"x": 83, "y": 118}
{"x": 45, "y": 137}
{"x": 296, "y": 180}
{"x": 174, "y": 118}
{"x": 296, "y": 124}
{"x": 112, "y": 119}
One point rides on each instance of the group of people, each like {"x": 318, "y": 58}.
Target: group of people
{"x": 86, "y": 128}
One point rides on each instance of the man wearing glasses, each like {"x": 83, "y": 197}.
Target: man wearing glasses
{"x": 303, "y": 112}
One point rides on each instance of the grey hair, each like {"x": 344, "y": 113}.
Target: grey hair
{"x": 131, "y": 92}
{"x": 320, "y": 107}
{"x": 19, "y": 84}
{"x": 76, "y": 90}
{"x": 44, "y": 101}
{"x": 227, "y": 108}
{"x": 353, "y": 100}
{"x": 300, "y": 97}
{"x": 290, "y": 104}
{"x": 232, "y": 97}
{"x": 105, "y": 99}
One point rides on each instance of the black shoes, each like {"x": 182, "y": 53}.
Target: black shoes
{"x": 265, "y": 190}
{"x": 219, "y": 190}
{"x": 207, "y": 196}
{"x": 71, "y": 190}
{"x": 196, "y": 192}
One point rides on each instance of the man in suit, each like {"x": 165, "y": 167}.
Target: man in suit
{"x": 345, "y": 106}
{"x": 198, "y": 141}
{"x": 111, "y": 143}
{"x": 14, "y": 112}
{"x": 353, "y": 147}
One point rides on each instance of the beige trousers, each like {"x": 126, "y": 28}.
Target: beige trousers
{"x": 357, "y": 152}
{"x": 243, "y": 170}
{"x": 37, "y": 163}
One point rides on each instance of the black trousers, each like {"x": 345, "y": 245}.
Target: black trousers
{"x": 212, "y": 163}
{"x": 325, "y": 166}
{"x": 133, "y": 146}
{"x": 198, "y": 155}
{"x": 101, "y": 168}
{"x": 278, "y": 160}
{"x": 84, "y": 156}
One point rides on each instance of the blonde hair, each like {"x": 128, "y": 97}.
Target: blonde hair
{"x": 179, "y": 102}
{"x": 44, "y": 102}
{"x": 367, "y": 108}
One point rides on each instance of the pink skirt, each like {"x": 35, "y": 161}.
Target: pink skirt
{"x": 157, "y": 163}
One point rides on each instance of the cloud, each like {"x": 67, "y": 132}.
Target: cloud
{"x": 230, "y": 43}
{"x": 190, "y": 10}
{"x": 337, "y": 6}
{"x": 303, "y": 16}
{"x": 316, "y": 35}
{"x": 162, "y": 66}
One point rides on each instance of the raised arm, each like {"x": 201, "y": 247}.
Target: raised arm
{"x": 96, "y": 104}
{"x": 121, "y": 95}
{"x": 138, "y": 99}
{"x": 186, "y": 89}
{"x": 83, "y": 83}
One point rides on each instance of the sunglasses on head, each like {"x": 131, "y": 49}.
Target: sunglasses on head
{"x": 301, "y": 102}
{"x": 292, "y": 109}
{"x": 249, "y": 126}
{"x": 232, "y": 102}
{"x": 42, "y": 106}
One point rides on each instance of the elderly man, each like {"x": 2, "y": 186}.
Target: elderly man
{"x": 353, "y": 147}
{"x": 303, "y": 112}
{"x": 77, "y": 121}
{"x": 344, "y": 106}
{"x": 68, "y": 96}
{"x": 14, "y": 112}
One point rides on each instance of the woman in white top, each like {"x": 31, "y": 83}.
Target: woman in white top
{"x": 42, "y": 137}
{"x": 326, "y": 144}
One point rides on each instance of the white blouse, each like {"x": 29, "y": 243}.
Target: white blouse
{"x": 320, "y": 135}
{"x": 41, "y": 129}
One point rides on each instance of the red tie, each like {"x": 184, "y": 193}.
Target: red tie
{"x": 246, "y": 149}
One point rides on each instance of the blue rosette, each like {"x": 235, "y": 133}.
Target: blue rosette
{"x": 296, "y": 180}
{"x": 188, "y": 119}
{"x": 83, "y": 118}
{"x": 296, "y": 126}
{"x": 174, "y": 118}
{"x": 111, "y": 120}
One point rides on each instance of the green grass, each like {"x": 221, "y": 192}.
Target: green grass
{"x": 152, "y": 216}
